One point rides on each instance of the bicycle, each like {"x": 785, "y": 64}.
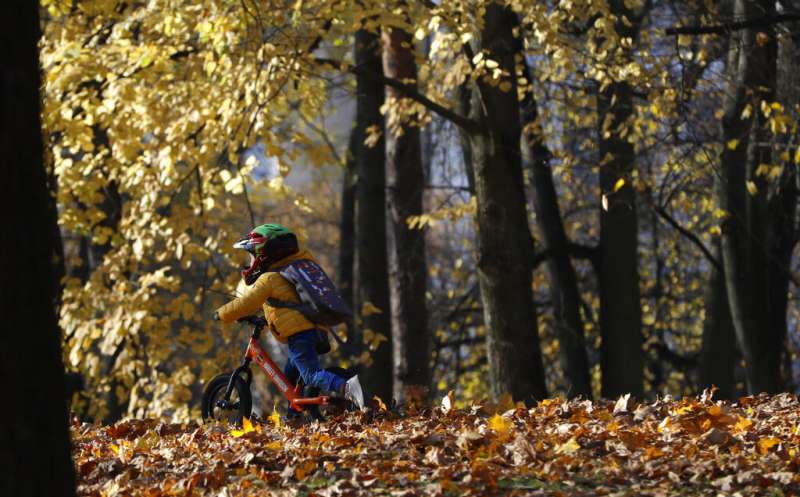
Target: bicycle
{"x": 217, "y": 401}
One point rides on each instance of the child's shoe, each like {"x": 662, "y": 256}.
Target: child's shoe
{"x": 353, "y": 392}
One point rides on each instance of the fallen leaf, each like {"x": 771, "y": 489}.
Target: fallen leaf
{"x": 447, "y": 402}
{"x": 500, "y": 425}
{"x": 304, "y": 469}
{"x": 715, "y": 436}
{"x": 622, "y": 403}
{"x": 379, "y": 403}
{"x": 568, "y": 447}
{"x": 767, "y": 443}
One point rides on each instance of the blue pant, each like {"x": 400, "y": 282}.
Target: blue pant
{"x": 304, "y": 363}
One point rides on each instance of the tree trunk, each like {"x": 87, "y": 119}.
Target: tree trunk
{"x": 347, "y": 226}
{"x": 783, "y": 204}
{"x": 505, "y": 245}
{"x": 408, "y": 271}
{"x": 34, "y": 437}
{"x": 622, "y": 357}
{"x": 751, "y": 69}
{"x": 718, "y": 355}
{"x": 465, "y": 107}
{"x": 373, "y": 278}
{"x": 563, "y": 281}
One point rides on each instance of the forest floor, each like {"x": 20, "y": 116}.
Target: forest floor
{"x": 691, "y": 446}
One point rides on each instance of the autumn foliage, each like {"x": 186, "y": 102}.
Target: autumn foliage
{"x": 693, "y": 446}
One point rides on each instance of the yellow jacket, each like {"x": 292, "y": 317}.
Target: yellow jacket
{"x": 282, "y": 321}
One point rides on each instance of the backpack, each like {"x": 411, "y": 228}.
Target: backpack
{"x": 320, "y": 302}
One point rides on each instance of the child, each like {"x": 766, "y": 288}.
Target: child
{"x": 272, "y": 246}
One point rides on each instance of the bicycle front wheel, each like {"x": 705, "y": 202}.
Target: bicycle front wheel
{"x": 240, "y": 405}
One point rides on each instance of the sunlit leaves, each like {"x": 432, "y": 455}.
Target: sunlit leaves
{"x": 568, "y": 448}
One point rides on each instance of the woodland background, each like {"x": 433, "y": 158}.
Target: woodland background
{"x": 525, "y": 199}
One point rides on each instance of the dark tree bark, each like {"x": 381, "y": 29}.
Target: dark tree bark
{"x": 34, "y": 437}
{"x": 347, "y": 223}
{"x": 783, "y": 204}
{"x": 622, "y": 357}
{"x": 718, "y": 355}
{"x": 408, "y": 270}
{"x": 373, "y": 279}
{"x": 563, "y": 281}
{"x": 505, "y": 245}
{"x": 465, "y": 107}
{"x": 751, "y": 72}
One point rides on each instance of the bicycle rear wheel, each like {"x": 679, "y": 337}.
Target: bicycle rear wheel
{"x": 240, "y": 403}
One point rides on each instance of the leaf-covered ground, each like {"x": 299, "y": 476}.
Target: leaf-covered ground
{"x": 683, "y": 447}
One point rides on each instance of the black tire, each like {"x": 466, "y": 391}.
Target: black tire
{"x": 241, "y": 400}
{"x": 338, "y": 406}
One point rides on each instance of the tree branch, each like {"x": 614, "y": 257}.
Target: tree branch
{"x": 409, "y": 91}
{"x": 688, "y": 234}
{"x": 721, "y": 29}
{"x": 575, "y": 250}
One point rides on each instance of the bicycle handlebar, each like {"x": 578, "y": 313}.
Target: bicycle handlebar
{"x": 254, "y": 320}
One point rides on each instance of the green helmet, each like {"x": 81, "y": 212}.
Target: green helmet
{"x": 266, "y": 244}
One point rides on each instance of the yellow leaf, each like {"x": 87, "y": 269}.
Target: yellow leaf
{"x": 619, "y": 184}
{"x": 767, "y": 443}
{"x": 275, "y": 419}
{"x": 752, "y": 188}
{"x": 797, "y": 156}
{"x": 732, "y": 144}
{"x": 743, "y": 424}
{"x": 500, "y": 425}
{"x": 765, "y": 109}
{"x": 568, "y": 447}
{"x": 369, "y": 308}
{"x": 379, "y": 403}
{"x": 247, "y": 427}
{"x": 747, "y": 112}
{"x": 305, "y": 469}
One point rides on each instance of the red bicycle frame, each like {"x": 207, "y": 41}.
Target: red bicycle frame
{"x": 294, "y": 394}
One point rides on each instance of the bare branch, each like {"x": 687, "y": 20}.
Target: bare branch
{"x": 411, "y": 92}
{"x": 721, "y": 29}
{"x": 575, "y": 250}
{"x": 689, "y": 235}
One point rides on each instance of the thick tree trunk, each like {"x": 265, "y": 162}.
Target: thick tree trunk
{"x": 505, "y": 245}
{"x": 347, "y": 223}
{"x": 408, "y": 271}
{"x": 563, "y": 281}
{"x": 465, "y": 107}
{"x": 622, "y": 357}
{"x": 751, "y": 69}
{"x": 718, "y": 351}
{"x": 373, "y": 279}
{"x": 34, "y": 437}
{"x": 783, "y": 204}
